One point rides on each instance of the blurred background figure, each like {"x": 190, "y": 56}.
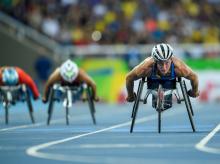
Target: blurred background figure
{"x": 43, "y": 67}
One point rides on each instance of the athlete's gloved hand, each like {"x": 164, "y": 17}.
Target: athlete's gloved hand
{"x": 36, "y": 97}
{"x": 96, "y": 99}
{"x": 192, "y": 93}
{"x": 44, "y": 100}
{"x": 131, "y": 98}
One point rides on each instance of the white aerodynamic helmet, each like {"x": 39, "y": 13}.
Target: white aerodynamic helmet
{"x": 10, "y": 76}
{"x": 69, "y": 71}
{"x": 162, "y": 52}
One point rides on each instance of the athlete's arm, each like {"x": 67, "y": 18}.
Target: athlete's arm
{"x": 54, "y": 78}
{"x": 1, "y": 68}
{"x": 141, "y": 70}
{"x": 84, "y": 77}
{"x": 182, "y": 70}
{"x": 24, "y": 78}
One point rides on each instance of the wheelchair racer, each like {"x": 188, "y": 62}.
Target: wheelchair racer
{"x": 161, "y": 68}
{"x": 69, "y": 74}
{"x": 12, "y": 76}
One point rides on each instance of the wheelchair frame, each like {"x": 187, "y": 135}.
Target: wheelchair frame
{"x": 159, "y": 105}
{"x": 68, "y": 93}
{"x": 8, "y": 93}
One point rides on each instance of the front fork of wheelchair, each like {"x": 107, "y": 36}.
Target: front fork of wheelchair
{"x": 159, "y": 106}
{"x": 6, "y": 104}
{"x": 68, "y": 105}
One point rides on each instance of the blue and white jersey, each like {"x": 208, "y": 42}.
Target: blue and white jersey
{"x": 167, "y": 81}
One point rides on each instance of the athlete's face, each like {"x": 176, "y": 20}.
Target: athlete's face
{"x": 164, "y": 66}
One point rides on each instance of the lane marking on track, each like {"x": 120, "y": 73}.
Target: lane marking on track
{"x": 202, "y": 144}
{"x": 41, "y": 123}
{"x": 20, "y": 127}
{"x": 29, "y": 126}
{"x": 35, "y": 150}
{"x": 105, "y": 146}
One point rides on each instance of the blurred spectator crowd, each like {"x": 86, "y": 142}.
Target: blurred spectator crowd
{"x": 81, "y": 22}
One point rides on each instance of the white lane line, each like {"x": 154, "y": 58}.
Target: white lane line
{"x": 34, "y": 150}
{"x": 107, "y": 146}
{"x": 20, "y": 127}
{"x": 202, "y": 144}
{"x": 40, "y": 124}
{"x": 30, "y": 125}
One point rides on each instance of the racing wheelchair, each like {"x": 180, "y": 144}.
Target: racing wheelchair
{"x": 69, "y": 94}
{"x": 159, "y": 94}
{"x": 9, "y": 95}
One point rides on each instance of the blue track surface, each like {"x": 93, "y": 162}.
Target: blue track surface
{"x": 110, "y": 141}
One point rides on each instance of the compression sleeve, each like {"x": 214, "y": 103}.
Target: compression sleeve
{"x": 24, "y": 78}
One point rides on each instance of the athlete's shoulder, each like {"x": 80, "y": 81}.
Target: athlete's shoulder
{"x": 176, "y": 59}
{"x": 146, "y": 63}
{"x": 145, "y": 67}
{"x": 20, "y": 71}
{"x": 181, "y": 68}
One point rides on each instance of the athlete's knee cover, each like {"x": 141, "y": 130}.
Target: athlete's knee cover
{"x": 154, "y": 101}
{"x": 58, "y": 95}
{"x": 77, "y": 94}
{"x": 167, "y": 101}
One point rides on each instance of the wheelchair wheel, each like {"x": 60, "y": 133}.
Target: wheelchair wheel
{"x": 136, "y": 103}
{"x": 184, "y": 91}
{"x": 188, "y": 99}
{"x": 91, "y": 104}
{"x": 50, "y": 106}
{"x": 30, "y": 107}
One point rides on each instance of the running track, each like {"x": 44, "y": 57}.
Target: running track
{"x": 109, "y": 142}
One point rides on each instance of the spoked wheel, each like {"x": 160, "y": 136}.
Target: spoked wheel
{"x": 136, "y": 103}
{"x": 50, "y": 107}
{"x": 187, "y": 103}
{"x": 159, "y": 106}
{"x": 91, "y": 104}
{"x": 30, "y": 107}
